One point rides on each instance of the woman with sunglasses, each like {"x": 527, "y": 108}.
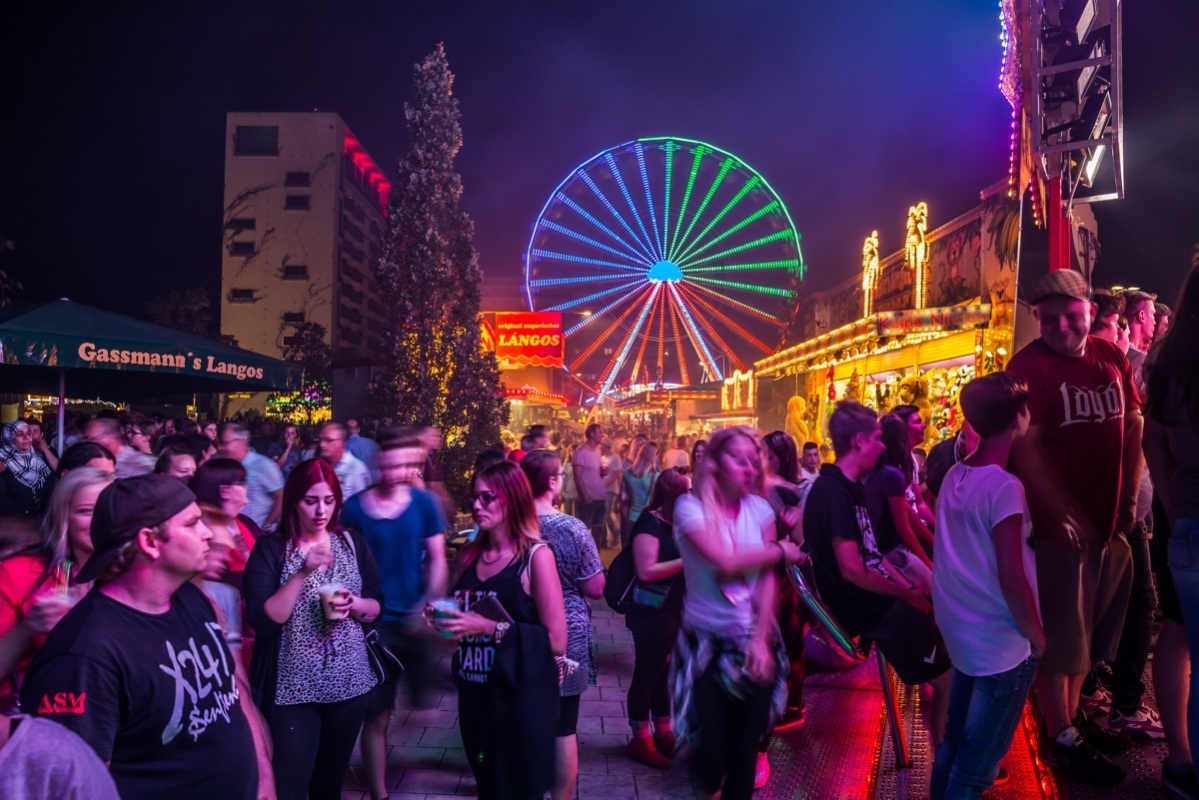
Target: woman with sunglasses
{"x": 311, "y": 591}
{"x": 507, "y": 676}
{"x": 730, "y": 667}
{"x": 582, "y": 575}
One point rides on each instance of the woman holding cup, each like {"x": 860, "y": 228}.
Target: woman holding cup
{"x": 35, "y": 584}
{"x": 507, "y": 677}
{"x": 310, "y": 590}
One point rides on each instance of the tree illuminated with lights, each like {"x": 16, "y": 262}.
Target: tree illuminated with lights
{"x": 428, "y": 275}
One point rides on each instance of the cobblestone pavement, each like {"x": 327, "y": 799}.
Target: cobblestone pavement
{"x": 426, "y": 760}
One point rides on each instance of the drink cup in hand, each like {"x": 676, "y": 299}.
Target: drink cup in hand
{"x": 441, "y": 608}
{"x": 331, "y": 594}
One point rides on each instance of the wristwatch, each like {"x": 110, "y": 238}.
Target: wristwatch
{"x": 501, "y": 628}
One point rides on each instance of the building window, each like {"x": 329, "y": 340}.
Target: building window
{"x": 351, "y": 294}
{"x": 295, "y": 272}
{"x": 241, "y": 248}
{"x": 350, "y": 315}
{"x": 355, "y": 210}
{"x": 292, "y": 341}
{"x": 256, "y": 140}
{"x": 351, "y": 229}
{"x": 293, "y": 317}
{"x": 296, "y": 202}
{"x": 297, "y": 179}
{"x": 376, "y": 308}
{"x": 241, "y": 295}
{"x": 353, "y": 252}
{"x": 240, "y": 224}
{"x": 376, "y": 326}
{"x": 350, "y": 272}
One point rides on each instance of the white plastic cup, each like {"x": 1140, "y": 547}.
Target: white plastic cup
{"x": 329, "y": 593}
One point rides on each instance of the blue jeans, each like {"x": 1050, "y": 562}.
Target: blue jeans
{"x": 1183, "y": 551}
{"x": 983, "y": 714}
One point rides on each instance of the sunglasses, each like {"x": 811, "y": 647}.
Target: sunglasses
{"x": 483, "y": 498}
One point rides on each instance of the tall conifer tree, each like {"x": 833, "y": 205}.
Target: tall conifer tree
{"x": 428, "y": 274}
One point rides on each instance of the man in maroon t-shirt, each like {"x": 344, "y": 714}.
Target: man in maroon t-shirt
{"x": 1080, "y": 464}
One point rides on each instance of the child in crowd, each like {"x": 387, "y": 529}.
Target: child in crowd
{"x": 984, "y": 592}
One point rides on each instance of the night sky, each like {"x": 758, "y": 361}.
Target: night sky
{"x": 113, "y": 151}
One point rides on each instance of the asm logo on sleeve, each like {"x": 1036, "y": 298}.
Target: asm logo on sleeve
{"x": 62, "y": 703}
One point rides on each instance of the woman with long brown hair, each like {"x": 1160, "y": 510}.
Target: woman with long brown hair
{"x": 654, "y": 621}
{"x": 310, "y": 591}
{"x": 507, "y": 676}
{"x": 730, "y": 678}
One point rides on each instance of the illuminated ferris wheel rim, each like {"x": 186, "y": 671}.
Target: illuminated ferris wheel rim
{"x": 659, "y": 273}
{"x": 646, "y": 140}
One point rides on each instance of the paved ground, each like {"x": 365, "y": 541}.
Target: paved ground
{"x": 426, "y": 760}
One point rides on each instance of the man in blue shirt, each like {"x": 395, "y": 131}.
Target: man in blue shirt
{"x": 404, "y": 527}
{"x": 363, "y": 448}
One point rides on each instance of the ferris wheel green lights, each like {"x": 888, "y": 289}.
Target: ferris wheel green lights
{"x": 672, "y": 260}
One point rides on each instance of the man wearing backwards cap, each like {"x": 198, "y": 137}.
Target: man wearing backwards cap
{"x": 139, "y": 667}
{"x": 1080, "y": 465}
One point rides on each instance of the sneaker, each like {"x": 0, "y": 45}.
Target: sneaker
{"x": 665, "y": 742}
{"x": 1097, "y": 702}
{"x": 792, "y": 718}
{"x": 1085, "y": 764}
{"x": 643, "y": 751}
{"x": 762, "y": 771}
{"x": 1108, "y": 742}
{"x": 1181, "y": 781}
{"x": 1144, "y": 723}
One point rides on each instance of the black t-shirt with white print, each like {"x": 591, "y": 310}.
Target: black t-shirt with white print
{"x": 154, "y": 694}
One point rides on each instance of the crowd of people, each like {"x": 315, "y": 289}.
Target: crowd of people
{"x": 207, "y": 610}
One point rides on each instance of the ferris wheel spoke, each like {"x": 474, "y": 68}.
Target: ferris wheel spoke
{"x": 698, "y": 154}
{"x": 725, "y": 166}
{"x": 761, "y": 241}
{"x": 697, "y": 339}
{"x": 645, "y": 339}
{"x": 747, "y": 287}
{"x": 596, "y": 296}
{"x": 716, "y": 337}
{"x": 626, "y": 345}
{"x": 662, "y": 338}
{"x": 628, "y": 198}
{"x": 554, "y": 255}
{"x": 638, "y": 255}
{"x": 566, "y": 232}
{"x": 745, "y": 307}
{"x": 676, "y": 335}
{"x": 538, "y": 283}
{"x": 696, "y": 248}
{"x": 590, "y": 183}
{"x": 649, "y": 199}
{"x": 790, "y": 264}
{"x": 669, "y": 147}
{"x": 726, "y": 319}
{"x": 591, "y": 348}
{"x": 749, "y": 186}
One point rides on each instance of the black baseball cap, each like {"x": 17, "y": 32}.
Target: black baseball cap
{"x": 124, "y": 508}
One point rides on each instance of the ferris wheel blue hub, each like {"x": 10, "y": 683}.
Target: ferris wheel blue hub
{"x": 665, "y": 271}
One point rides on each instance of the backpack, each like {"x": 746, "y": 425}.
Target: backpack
{"x": 622, "y": 577}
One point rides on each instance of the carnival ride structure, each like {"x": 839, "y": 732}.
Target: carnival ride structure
{"x": 673, "y": 263}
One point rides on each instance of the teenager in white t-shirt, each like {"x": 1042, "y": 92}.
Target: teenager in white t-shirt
{"x": 984, "y": 592}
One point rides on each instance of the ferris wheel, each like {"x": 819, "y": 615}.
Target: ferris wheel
{"x": 672, "y": 261}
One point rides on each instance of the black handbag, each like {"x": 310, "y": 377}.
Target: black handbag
{"x": 384, "y": 663}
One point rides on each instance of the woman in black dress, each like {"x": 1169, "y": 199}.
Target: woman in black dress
{"x": 654, "y": 622}
{"x": 507, "y": 676}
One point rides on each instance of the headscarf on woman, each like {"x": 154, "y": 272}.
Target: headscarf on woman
{"x": 25, "y": 465}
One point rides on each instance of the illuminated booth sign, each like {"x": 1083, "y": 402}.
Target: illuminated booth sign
{"x": 932, "y": 320}
{"x": 529, "y": 338}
